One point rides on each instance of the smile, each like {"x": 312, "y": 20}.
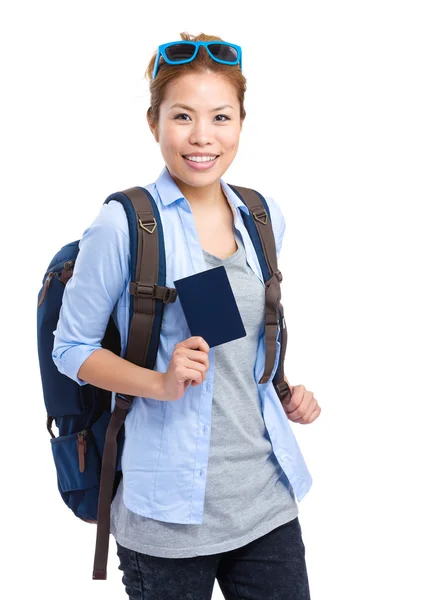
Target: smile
{"x": 200, "y": 163}
{"x": 200, "y": 158}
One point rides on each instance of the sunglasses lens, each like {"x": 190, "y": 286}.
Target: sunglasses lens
{"x": 224, "y": 52}
{"x": 180, "y": 51}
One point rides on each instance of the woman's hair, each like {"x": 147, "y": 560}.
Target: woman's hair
{"x": 201, "y": 63}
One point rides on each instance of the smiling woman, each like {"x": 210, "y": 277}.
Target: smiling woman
{"x": 211, "y": 467}
{"x": 196, "y": 116}
{"x": 199, "y": 144}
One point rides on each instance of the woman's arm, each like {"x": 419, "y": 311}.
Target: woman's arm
{"x": 108, "y": 371}
{"x": 100, "y": 277}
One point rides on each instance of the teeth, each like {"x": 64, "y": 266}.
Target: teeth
{"x": 200, "y": 158}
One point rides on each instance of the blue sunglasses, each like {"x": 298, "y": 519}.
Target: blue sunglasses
{"x": 177, "y": 53}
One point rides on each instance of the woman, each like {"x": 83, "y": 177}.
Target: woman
{"x": 210, "y": 464}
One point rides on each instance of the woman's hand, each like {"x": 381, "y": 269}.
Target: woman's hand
{"x": 302, "y": 407}
{"x": 188, "y": 366}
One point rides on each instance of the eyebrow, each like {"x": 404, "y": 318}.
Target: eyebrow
{"x": 193, "y": 110}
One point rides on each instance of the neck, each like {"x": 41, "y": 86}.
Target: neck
{"x": 204, "y": 198}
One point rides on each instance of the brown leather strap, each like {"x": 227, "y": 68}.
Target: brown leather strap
{"x": 147, "y": 267}
{"x": 145, "y": 291}
{"x": 49, "y": 424}
{"x": 281, "y": 386}
{"x": 160, "y": 292}
{"x": 108, "y": 468}
{"x": 272, "y": 290}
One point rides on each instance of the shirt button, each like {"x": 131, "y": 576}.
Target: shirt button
{"x": 204, "y": 429}
{"x": 201, "y": 472}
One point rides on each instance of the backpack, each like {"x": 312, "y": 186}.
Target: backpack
{"x": 87, "y": 451}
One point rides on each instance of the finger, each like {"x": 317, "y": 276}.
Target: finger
{"x": 205, "y": 346}
{"x": 198, "y": 356}
{"x": 315, "y": 414}
{"x": 195, "y": 365}
{"x": 295, "y": 402}
{"x": 309, "y": 418}
{"x": 303, "y": 408}
{"x": 197, "y": 341}
{"x": 185, "y": 373}
{"x": 310, "y": 411}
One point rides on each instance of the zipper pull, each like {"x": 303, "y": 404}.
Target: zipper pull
{"x": 67, "y": 271}
{"x": 46, "y": 286}
{"x": 81, "y": 445}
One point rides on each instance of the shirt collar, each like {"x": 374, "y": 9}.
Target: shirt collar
{"x": 169, "y": 191}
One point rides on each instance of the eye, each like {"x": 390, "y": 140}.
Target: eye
{"x": 181, "y": 115}
{"x": 225, "y": 117}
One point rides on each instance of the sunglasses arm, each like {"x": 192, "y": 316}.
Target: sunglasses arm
{"x": 157, "y": 60}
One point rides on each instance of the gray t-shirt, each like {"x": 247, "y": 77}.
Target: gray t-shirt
{"x": 247, "y": 493}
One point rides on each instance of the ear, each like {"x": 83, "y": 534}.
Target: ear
{"x": 153, "y": 127}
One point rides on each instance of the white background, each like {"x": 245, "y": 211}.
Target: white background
{"x": 333, "y": 132}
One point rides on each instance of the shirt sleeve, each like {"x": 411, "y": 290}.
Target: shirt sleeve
{"x": 278, "y": 223}
{"x": 101, "y": 275}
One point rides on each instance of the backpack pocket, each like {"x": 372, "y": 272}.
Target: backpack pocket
{"x": 78, "y": 466}
{"x": 78, "y": 459}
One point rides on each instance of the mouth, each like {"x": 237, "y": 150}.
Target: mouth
{"x": 201, "y": 163}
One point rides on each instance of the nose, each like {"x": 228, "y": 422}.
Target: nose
{"x": 201, "y": 132}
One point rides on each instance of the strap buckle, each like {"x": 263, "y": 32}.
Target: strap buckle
{"x": 278, "y": 275}
{"x": 271, "y": 281}
{"x": 144, "y": 290}
{"x": 147, "y": 222}
{"x": 171, "y": 295}
{"x": 147, "y": 290}
{"x": 261, "y": 216}
{"x": 283, "y": 390}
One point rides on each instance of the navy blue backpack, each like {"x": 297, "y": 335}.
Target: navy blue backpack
{"x": 87, "y": 450}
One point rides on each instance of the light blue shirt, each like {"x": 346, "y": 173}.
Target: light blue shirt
{"x": 165, "y": 454}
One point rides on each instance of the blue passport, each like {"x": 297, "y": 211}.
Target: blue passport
{"x": 210, "y": 307}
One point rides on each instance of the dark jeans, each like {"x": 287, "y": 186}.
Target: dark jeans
{"x": 271, "y": 567}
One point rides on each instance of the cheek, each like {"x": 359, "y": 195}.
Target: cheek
{"x": 173, "y": 139}
{"x": 230, "y": 141}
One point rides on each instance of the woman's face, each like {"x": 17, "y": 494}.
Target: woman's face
{"x": 205, "y": 122}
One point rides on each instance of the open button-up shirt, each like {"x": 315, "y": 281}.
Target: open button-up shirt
{"x": 165, "y": 454}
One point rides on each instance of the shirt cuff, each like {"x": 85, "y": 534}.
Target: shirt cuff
{"x": 69, "y": 362}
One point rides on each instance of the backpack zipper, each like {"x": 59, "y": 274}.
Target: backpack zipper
{"x": 67, "y": 271}
{"x": 81, "y": 445}
{"x": 46, "y": 286}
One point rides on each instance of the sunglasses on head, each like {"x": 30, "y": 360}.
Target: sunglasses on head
{"x": 177, "y": 53}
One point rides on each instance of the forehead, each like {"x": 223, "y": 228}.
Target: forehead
{"x": 200, "y": 89}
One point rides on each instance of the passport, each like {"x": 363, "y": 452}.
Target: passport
{"x": 210, "y": 307}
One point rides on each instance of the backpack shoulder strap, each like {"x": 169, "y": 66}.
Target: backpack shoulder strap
{"x": 148, "y": 275}
{"x": 258, "y": 224}
{"x": 147, "y": 285}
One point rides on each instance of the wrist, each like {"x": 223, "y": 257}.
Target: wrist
{"x": 159, "y": 386}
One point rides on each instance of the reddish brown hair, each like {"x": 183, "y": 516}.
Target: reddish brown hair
{"x": 202, "y": 62}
